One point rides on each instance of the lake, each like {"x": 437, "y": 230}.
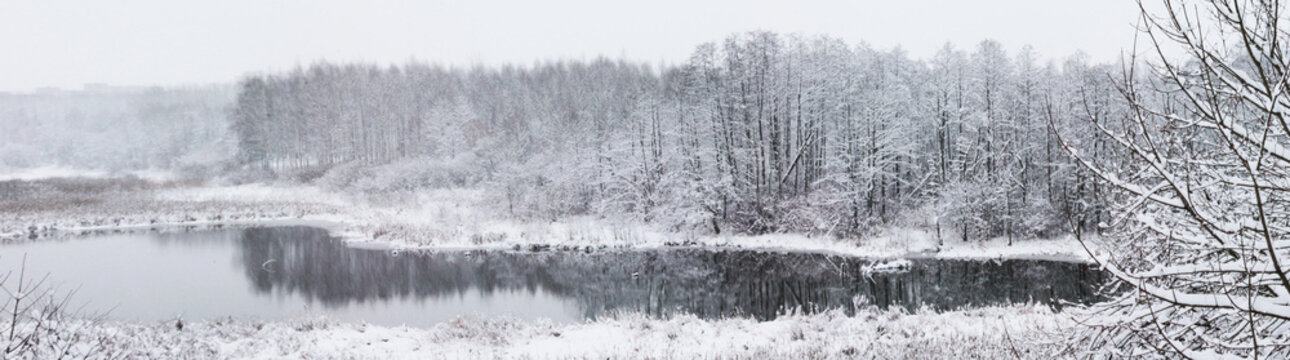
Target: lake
{"x": 278, "y": 273}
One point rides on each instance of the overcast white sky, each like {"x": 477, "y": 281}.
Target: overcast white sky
{"x": 66, "y": 44}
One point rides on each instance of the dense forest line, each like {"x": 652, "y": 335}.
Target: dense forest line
{"x": 759, "y": 133}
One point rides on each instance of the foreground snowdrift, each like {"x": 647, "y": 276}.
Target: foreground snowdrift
{"x": 1008, "y": 332}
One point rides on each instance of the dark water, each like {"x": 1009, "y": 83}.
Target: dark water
{"x": 286, "y": 272}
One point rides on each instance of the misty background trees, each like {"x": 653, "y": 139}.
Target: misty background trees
{"x": 117, "y": 128}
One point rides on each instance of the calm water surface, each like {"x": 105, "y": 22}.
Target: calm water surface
{"x": 289, "y": 272}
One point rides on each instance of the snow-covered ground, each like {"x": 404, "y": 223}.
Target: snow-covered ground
{"x": 1006, "y": 332}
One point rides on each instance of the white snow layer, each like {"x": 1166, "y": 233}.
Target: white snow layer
{"x": 1006, "y": 332}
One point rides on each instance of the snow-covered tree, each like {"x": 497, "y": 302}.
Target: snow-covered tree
{"x": 1199, "y": 235}
{"x": 757, "y": 133}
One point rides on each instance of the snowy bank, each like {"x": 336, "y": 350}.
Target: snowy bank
{"x": 1005, "y": 332}
{"x": 458, "y": 219}
{"x": 446, "y": 219}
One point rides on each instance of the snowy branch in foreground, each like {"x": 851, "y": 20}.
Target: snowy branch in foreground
{"x": 1203, "y": 214}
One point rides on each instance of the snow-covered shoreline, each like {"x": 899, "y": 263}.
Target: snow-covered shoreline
{"x": 454, "y": 219}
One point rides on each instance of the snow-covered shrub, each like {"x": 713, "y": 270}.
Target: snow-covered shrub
{"x": 39, "y": 324}
{"x": 340, "y": 176}
{"x": 1040, "y": 218}
{"x": 811, "y": 214}
{"x": 684, "y": 208}
{"x": 249, "y": 174}
{"x": 412, "y": 174}
{"x": 402, "y": 175}
{"x": 529, "y": 195}
{"x": 965, "y": 207}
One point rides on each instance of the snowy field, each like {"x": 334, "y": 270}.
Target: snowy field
{"x": 990, "y": 333}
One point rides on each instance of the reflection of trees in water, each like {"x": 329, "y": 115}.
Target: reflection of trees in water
{"x": 705, "y": 283}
